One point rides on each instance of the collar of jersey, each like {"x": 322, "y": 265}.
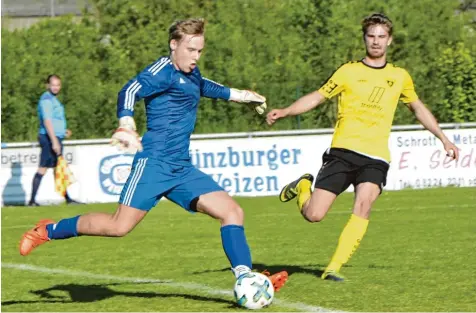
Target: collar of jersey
{"x": 374, "y": 67}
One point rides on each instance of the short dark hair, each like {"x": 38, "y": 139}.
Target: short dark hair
{"x": 48, "y": 79}
{"x": 377, "y": 19}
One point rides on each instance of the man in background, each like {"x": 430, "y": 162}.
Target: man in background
{"x": 52, "y": 131}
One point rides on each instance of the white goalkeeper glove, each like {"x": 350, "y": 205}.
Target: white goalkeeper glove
{"x": 250, "y": 97}
{"x": 125, "y": 137}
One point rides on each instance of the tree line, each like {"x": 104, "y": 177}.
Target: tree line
{"x": 282, "y": 49}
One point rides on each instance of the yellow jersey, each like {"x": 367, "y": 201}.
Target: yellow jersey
{"x": 368, "y": 98}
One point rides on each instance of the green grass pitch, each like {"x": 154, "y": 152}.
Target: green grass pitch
{"x": 419, "y": 254}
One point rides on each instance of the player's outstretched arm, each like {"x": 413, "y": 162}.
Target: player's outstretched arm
{"x": 249, "y": 97}
{"x": 212, "y": 89}
{"x": 302, "y": 105}
{"x": 428, "y": 120}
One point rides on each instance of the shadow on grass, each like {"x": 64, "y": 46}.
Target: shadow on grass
{"x": 310, "y": 269}
{"x": 315, "y": 269}
{"x": 77, "y": 293}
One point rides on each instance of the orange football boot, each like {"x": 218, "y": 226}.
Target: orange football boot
{"x": 278, "y": 280}
{"x": 35, "y": 237}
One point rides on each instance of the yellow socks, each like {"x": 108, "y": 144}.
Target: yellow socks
{"x": 349, "y": 241}
{"x": 304, "y": 192}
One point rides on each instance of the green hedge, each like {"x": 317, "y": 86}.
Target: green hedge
{"x": 282, "y": 49}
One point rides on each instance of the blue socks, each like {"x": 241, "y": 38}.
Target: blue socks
{"x": 35, "y": 185}
{"x": 235, "y": 246}
{"x": 66, "y": 228}
{"x": 232, "y": 236}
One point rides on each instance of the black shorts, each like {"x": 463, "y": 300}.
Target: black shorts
{"x": 342, "y": 167}
{"x": 48, "y": 157}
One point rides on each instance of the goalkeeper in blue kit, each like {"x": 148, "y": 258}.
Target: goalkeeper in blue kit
{"x": 171, "y": 88}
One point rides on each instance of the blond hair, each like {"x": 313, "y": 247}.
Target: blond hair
{"x": 377, "y": 19}
{"x": 191, "y": 26}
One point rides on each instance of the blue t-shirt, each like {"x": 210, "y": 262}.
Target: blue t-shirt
{"x": 49, "y": 108}
{"x": 171, "y": 100}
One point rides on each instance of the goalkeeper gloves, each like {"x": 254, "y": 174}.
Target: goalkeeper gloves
{"x": 249, "y": 97}
{"x": 125, "y": 137}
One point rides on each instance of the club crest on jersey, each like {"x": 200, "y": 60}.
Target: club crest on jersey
{"x": 390, "y": 82}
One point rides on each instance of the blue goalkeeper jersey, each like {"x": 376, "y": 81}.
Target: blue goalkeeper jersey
{"x": 171, "y": 100}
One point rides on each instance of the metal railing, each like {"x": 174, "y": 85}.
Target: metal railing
{"x": 43, "y": 8}
{"x": 300, "y": 132}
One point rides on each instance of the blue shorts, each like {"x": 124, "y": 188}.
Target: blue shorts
{"x": 150, "y": 180}
{"x": 48, "y": 157}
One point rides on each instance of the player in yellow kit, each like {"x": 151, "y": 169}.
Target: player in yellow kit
{"x": 369, "y": 91}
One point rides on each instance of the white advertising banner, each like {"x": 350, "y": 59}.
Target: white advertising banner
{"x": 258, "y": 166}
{"x": 244, "y": 167}
{"x": 419, "y": 161}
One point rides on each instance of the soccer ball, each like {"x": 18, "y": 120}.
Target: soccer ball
{"x": 254, "y": 291}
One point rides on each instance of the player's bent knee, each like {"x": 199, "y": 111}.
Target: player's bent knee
{"x": 221, "y": 206}
{"x": 125, "y": 219}
{"x": 320, "y": 203}
{"x": 120, "y": 228}
{"x": 314, "y": 217}
{"x": 233, "y": 215}
{"x": 121, "y": 231}
{"x": 315, "y": 213}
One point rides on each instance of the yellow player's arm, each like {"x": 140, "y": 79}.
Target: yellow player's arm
{"x": 428, "y": 120}
{"x": 305, "y": 103}
{"x": 332, "y": 86}
{"x": 302, "y": 105}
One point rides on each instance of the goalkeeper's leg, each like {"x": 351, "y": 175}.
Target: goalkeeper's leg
{"x": 198, "y": 192}
{"x": 92, "y": 224}
{"x": 134, "y": 201}
{"x": 221, "y": 206}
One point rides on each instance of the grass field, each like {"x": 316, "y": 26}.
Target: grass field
{"x": 419, "y": 254}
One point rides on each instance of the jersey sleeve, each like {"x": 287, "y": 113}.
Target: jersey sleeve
{"x": 334, "y": 84}
{"x": 408, "y": 91}
{"x": 152, "y": 80}
{"x": 46, "y": 108}
{"x": 211, "y": 89}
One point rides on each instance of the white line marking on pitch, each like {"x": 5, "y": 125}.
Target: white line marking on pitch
{"x": 26, "y": 227}
{"x": 191, "y": 286}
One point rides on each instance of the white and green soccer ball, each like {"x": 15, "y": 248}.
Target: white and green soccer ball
{"x": 254, "y": 291}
